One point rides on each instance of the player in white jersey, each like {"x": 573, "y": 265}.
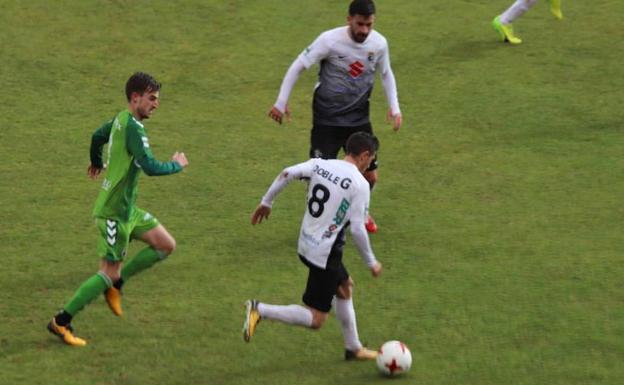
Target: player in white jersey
{"x": 338, "y": 198}
{"x": 502, "y": 23}
{"x": 349, "y": 57}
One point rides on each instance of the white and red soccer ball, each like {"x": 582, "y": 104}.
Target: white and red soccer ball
{"x": 394, "y": 358}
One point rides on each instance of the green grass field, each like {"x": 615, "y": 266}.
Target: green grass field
{"x": 499, "y": 201}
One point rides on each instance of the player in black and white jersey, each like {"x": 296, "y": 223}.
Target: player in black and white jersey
{"x": 349, "y": 57}
{"x": 338, "y": 198}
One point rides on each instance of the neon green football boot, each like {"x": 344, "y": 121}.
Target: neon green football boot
{"x": 505, "y": 31}
{"x": 555, "y": 9}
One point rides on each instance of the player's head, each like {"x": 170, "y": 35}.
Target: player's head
{"x": 361, "y": 19}
{"x": 362, "y": 148}
{"x": 143, "y": 92}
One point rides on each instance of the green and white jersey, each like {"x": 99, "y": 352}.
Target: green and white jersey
{"x": 128, "y": 152}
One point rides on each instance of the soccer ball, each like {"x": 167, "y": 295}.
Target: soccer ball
{"x": 394, "y": 358}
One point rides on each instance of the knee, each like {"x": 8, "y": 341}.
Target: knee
{"x": 318, "y": 319}
{"x": 167, "y": 247}
{"x": 160, "y": 240}
{"x": 345, "y": 289}
{"x": 111, "y": 270}
{"x": 114, "y": 277}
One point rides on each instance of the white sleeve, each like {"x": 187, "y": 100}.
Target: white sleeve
{"x": 389, "y": 82}
{"x": 358, "y": 229}
{"x": 317, "y": 51}
{"x": 389, "y": 85}
{"x": 296, "y": 68}
{"x": 289, "y": 174}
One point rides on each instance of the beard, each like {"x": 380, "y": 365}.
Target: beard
{"x": 357, "y": 37}
{"x": 145, "y": 114}
{"x": 360, "y": 37}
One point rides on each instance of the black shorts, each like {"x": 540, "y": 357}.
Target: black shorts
{"x": 326, "y": 141}
{"x": 322, "y": 285}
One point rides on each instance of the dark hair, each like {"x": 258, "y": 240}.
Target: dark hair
{"x": 360, "y": 142}
{"x": 141, "y": 82}
{"x": 362, "y": 7}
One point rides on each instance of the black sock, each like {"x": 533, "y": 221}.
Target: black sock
{"x": 117, "y": 285}
{"x": 63, "y": 318}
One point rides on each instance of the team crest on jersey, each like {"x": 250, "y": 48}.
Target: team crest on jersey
{"x": 371, "y": 56}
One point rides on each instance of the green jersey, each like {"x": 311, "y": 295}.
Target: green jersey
{"x": 128, "y": 153}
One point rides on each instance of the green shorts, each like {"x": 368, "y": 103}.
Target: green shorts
{"x": 116, "y": 235}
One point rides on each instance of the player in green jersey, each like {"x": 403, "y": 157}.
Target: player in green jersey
{"x": 117, "y": 217}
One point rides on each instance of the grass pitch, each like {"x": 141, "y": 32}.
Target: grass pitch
{"x": 499, "y": 201}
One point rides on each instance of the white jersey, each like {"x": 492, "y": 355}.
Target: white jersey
{"x": 337, "y": 194}
{"x": 347, "y": 75}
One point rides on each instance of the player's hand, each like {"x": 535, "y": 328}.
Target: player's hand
{"x": 278, "y": 115}
{"x": 396, "y": 119}
{"x": 180, "y": 158}
{"x": 93, "y": 171}
{"x": 376, "y": 269}
{"x": 261, "y": 212}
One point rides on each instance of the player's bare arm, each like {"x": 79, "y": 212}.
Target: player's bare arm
{"x": 261, "y": 212}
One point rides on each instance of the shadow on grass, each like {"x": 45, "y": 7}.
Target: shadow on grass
{"x": 468, "y": 50}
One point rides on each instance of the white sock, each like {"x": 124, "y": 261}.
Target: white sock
{"x": 290, "y": 314}
{"x": 516, "y": 10}
{"x": 345, "y": 313}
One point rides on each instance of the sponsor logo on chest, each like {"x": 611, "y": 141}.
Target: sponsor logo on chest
{"x": 356, "y": 69}
{"x": 357, "y": 65}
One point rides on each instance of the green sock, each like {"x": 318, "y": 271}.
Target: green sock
{"x": 87, "y": 292}
{"x": 145, "y": 258}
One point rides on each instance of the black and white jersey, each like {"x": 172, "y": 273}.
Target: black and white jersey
{"x": 337, "y": 194}
{"x": 346, "y": 76}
